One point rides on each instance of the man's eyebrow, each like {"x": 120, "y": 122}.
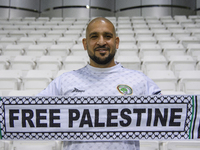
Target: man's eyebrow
{"x": 109, "y": 33}
{"x": 93, "y": 33}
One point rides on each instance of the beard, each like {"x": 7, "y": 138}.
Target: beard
{"x": 102, "y": 61}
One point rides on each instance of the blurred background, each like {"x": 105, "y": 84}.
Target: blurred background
{"x": 93, "y": 8}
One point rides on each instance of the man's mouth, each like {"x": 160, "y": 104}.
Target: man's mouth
{"x": 102, "y": 50}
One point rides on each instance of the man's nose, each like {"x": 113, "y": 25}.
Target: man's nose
{"x": 101, "y": 41}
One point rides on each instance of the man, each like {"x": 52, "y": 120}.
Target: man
{"x": 101, "y": 77}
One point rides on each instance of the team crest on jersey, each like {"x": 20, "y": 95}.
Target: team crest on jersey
{"x": 125, "y": 89}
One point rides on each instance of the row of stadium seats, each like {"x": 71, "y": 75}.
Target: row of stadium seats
{"x": 58, "y": 145}
{"x": 187, "y": 82}
{"x": 176, "y": 63}
{"x": 125, "y": 49}
{"x": 74, "y": 37}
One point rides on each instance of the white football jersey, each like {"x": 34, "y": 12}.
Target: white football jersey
{"x": 91, "y": 81}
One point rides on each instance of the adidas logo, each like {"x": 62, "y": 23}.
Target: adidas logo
{"x": 77, "y": 90}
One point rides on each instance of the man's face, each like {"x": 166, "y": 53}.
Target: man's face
{"x": 101, "y": 42}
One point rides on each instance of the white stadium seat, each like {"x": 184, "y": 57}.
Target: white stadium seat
{"x": 130, "y": 62}
{"x": 36, "y": 50}
{"x": 10, "y": 80}
{"x": 194, "y": 50}
{"x": 74, "y": 62}
{"x": 181, "y": 145}
{"x": 46, "y": 41}
{"x": 165, "y": 79}
{"x": 27, "y": 41}
{"x": 173, "y": 49}
{"x": 154, "y": 63}
{"x": 23, "y": 63}
{"x": 14, "y": 50}
{"x": 58, "y": 50}
{"x": 4, "y": 41}
{"x": 53, "y": 63}
{"x": 39, "y": 145}
{"x": 150, "y": 50}
{"x": 37, "y": 79}
{"x": 181, "y": 63}
{"x": 4, "y": 62}
{"x": 189, "y": 81}
{"x": 149, "y": 145}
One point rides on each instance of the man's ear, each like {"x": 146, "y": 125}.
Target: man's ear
{"x": 84, "y": 43}
{"x": 117, "y": 42}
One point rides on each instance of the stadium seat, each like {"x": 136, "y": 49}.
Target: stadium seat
{"x": 4, "y": 41}
{"x": 130, "y": 62}
{"x": 125, "y": 33}
{"x": 150, "y": 50}
{"x": 189, "y": 40}
{"x": 37, "y": 34}
{"x": 127, "y": 40}
{"x": 60, "y": 28}
{"x": 37, "y": 79}
{"x": 10, "y": 28}
{"x": 58, "y": 50}
{"x": 53, "y": 63}
{"x": 78, "y": 49}
{"x": 39, "y": 145}
{"x": 161, "y": 33}
{"x": 27, "y": 41}
{"x": 154, "y": 63}
{"x": 65, "y": 41}
{"x": 173, "y": 49}
{"x": 142, "y": 40}
{"x": 181, "y": 145}
{"x": 14, "y": 50}
{"x": 149, "y": 145}
{"x": 143, "y": 33}
{"x": 178, "y": 33}
{"x": 173, "y": 26}
{"x": 4, "y": 33}
{"x": 37, "y": 24}
{"x": 10, "y": 80}
{"x": 46, "y": 41}
{"x": 189, "y": 81}
{"x": 23, "y": 63}
{"x": 167, "y": 40}
{"x": 50, "y": 23}
{"x": 181, "y": 63}
{"x": 193, "y": 50}
{"x": 74, "y": 62}
{"x": 168, "y": 21}
{"x": 4, "y": 62}
{"x": 55, "y": 34}
{"x": 165, "y": 79}
{"x": 36, "y": 50}
{"x": 43, "y": 28}
{"x": 27, "y": 28}
{"x": 156, "y": 26}
{"x": 18, "y": 33}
